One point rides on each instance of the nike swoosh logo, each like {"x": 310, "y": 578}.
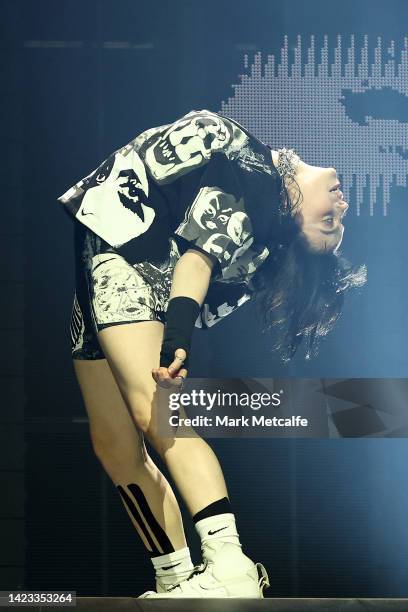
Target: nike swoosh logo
{"x": 170, "y": 566}
{"x": 216, "y": 531}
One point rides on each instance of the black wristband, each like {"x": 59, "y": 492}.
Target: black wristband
{"x": 181, "y": 315}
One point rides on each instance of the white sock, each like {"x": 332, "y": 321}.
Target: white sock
{"x": 214, "y": 530}
{"x": 173, "y": 567}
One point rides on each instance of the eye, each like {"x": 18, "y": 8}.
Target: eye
{"x": 328, "y": 220}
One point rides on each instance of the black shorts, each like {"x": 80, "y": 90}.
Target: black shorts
{"x": 111, "y": 291}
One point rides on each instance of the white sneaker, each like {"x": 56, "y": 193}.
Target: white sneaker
{"x": 217, "y": 577}
{"x": 162, "y": 587}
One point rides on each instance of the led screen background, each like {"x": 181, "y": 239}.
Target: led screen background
{"x": 79, "y": 81}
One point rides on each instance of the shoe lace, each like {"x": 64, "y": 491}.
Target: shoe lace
{"x": 198, "y": 569}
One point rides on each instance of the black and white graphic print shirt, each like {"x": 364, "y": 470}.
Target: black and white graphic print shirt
{"x": 203, "y": 181}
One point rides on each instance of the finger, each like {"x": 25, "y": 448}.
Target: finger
{"x": 173, "y": 381}
{"x": 179, "y": 356}
{"x": 177, "y": 382}
{"x": 163, "y": 377}
{"x": 181, "y": 378}
{"x": 174, "y": 367}
{"x": 155, "y": 374}
{"x": 169, "y": 383}
{"x": 181, "y": 372}
{"x": 165, "y": 384}
{"x": 162, "y": 373}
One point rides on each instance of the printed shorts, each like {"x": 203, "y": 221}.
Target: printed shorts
{"x": 111, "y": 291}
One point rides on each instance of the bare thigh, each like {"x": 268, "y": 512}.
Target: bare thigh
{"x": 112, "y": 427}
{"x": 132, "y": 351}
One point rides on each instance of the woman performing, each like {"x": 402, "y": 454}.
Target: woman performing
{"x": 173, "y": 231}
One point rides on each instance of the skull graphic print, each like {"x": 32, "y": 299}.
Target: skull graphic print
{"x": 216, "y": 221}
{"x": 204, "y": 182}
{"x": 189, "y": 143}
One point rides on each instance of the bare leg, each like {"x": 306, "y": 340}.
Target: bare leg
{"x": 132, "y": 350}
{"x": 195, "y": 469}
{"x": 120, "y": 447}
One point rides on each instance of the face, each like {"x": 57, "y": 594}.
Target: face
{"x": 322, "y": 206}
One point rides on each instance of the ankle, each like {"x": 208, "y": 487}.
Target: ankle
{"x": 173, "y": 567}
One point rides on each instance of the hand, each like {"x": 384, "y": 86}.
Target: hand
{"x": 170, "y": 376}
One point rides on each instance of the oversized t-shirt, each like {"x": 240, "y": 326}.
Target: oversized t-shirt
{"x": 204, "y": 181}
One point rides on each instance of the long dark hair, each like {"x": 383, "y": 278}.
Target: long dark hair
{"x": 299, "y": 293}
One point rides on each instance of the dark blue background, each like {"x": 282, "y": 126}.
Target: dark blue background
{"x": 326, "y": 517}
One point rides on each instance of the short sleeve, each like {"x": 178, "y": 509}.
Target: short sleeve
{"x": 221, "y": 300}
{"x": 173, "y": 150}
{"x": 217, "y": 222}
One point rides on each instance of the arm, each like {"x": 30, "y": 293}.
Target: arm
{"x": 191, "y": 278}
{"x": 191, "y": 275}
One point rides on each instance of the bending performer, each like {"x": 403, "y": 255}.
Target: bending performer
{"x": 174, "y": 231}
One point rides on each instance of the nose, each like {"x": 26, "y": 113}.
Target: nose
{"x": 344, "y": 205}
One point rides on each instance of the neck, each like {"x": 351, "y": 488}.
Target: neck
{"x": 275, "y": 157}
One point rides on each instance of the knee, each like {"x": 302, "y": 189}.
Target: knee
{"x": 118, "y": 461}
{"x": 146, "y": 416}
{"x": 140, "y": 406}
{"x": 157, "y": 440}
{"x": 146, "y": 411}
{"x": 116, "y": 448}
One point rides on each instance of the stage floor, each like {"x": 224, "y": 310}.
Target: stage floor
{"x": 128, "y": 604}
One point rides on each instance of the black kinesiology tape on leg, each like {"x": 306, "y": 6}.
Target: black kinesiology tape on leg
{"x": 143, "y": 516}
{"x": 181, "y": 315}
